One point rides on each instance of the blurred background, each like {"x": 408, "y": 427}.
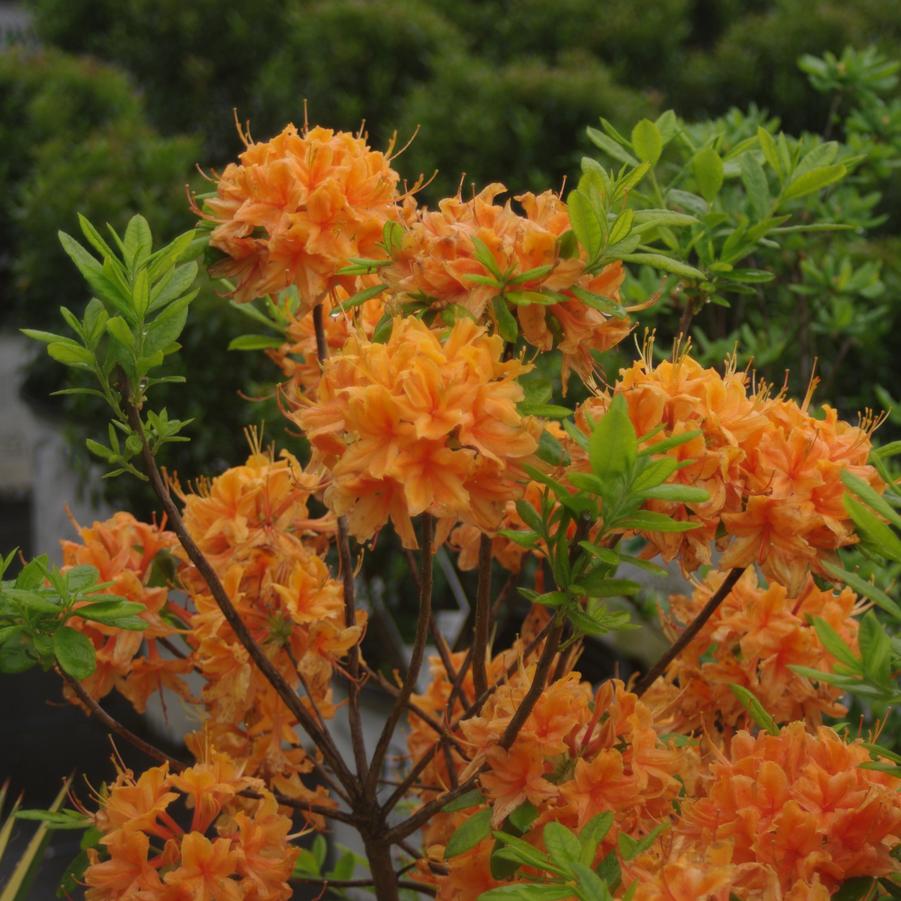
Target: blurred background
{"x": 107, "y": 107}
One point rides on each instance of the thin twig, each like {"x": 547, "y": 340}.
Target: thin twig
{"x": 414, "y": 708}
{"x": 651, "y": 676}
{"x": 114, "y": 726}
{"x": 422, "y": 634}
{"x": 345, "y": 562}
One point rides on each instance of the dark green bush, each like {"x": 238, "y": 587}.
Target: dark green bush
{"x": 523, "y": 123}
{"x": 377, "y": 51}
{"x": 756, "y": 58}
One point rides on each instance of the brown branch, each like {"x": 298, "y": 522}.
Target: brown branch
{"x": 233, "y": 618}
{"x": 657, "y": 670}
{"x": 345, "y": 562}
{"x": 117, "y": 728}
{"x": 418, "y": 652}
{"x": 415, "y": 709}
{"x": 362, "y": 883}
{"x": 539, "y": 680}
{"x": 114, "y": 726}
{"x": 482, "y": 618}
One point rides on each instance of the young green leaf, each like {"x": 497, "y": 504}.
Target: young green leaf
{"x": 74, "y": 652}
{"x": 469, "y": 833}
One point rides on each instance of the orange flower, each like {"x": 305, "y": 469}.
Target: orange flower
{"x": 206, "y": 870}
{"x": 801, "y": 804}
{"x": 437, "y": 262}
{"x": 248, "y": 858}
{"x": 419, "y": 425}
{"x": 296, "y": 208}
{"x": 753, "y": 639}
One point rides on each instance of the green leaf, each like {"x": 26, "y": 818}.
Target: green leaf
{"x": 551, "y": 451}
{"x": 486, "y": 257}
{"x": 255, "y": 342}
{"x": 613, "y": 444}
{"x": 523, "y": 817}
{"x": 875, "y": 649}
{"x": 835, "y": 644}
{"x": 524, "y": 891}
{"x": 74, "y": 652}
{"x": 671, "y": 442}
{"x": 813, "y": 180}
{"x": 358, "y": 299}
{"x": 469, "y": 833}
{"x": 71, "y": 354}
{"x": 754, "y": 179}
{"x": 561, "y": 844}
{"x": 862, "y": 587}
{"x": 610, "y": 147}
{"x": 883, "y": 538}
{"x": 138, "y": 240}
{"x": 755, "y": 709}
{"x": 524, "y": 539}
{"x": 649, "y": 521}
{"x": 684, "y": 494}
{"x": 548, "y": 411}
{"x": 855, "y": 889}
{"x": 867, "y": 494}
{"x": 647, "y": 142}
{"x": 175, "y": 283}
{"x": 507, "y": 326}
{"x": 468, "y": 799}
{"x": 599, "y": 585}
{"x": 666, "y": 264}
{"x": 630, "y": 848}
{"x": 18, "y": 882}
{"x": 708, "y": 171}
{"x": 591, "y": 884}
{"x": 166, "y": 327}
{"x": 521, "y": 851}
{"x": 770, "y": 151}
{"x": 592, "y": 834}
{"x": 585, "y": 223}
{"x": 118, "y": 328}
{"x": 45, "y": 337}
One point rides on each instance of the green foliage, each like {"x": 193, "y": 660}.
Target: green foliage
{"x": 36, "y": 606}
{"x": 623, "y": 477}
{"x": 378, "y": 52}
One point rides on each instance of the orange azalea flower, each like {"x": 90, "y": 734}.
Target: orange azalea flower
{"x": 516, "y": 776}
{"x": 296, "y": 208}
{"x": 206, "y": 870}
{"x": 419, "y": 425}
{"x": 437, "y": 261}
{"x": 126, "y": 874}
{"x": 801, "y": 804}
{"x": 249, "y": 858}
{"x": 753, "y": 639}
{"x": 771, "y": 470}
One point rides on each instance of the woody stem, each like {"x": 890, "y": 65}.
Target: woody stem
{"x": 695, "y": 626}
{"x": 416, "y": 655}
{"x": 345, "y": 561}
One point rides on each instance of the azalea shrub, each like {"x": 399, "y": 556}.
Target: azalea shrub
{"x": 444, "y": 368}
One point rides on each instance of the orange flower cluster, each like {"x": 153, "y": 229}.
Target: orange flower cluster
{"x": 253, "y": 524}
{"x": 772, "y": 470}
{"x": 123, "y": 552}
{"x": 752, "y": 640}
{"x": 420, "y": 424}
{"x": 578, "y": 754}
{"x": 147, "y": 854}
{"x": 437, "y": 262}
{"x": 296, "y": 208}
{"x": 800, "y": 804}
